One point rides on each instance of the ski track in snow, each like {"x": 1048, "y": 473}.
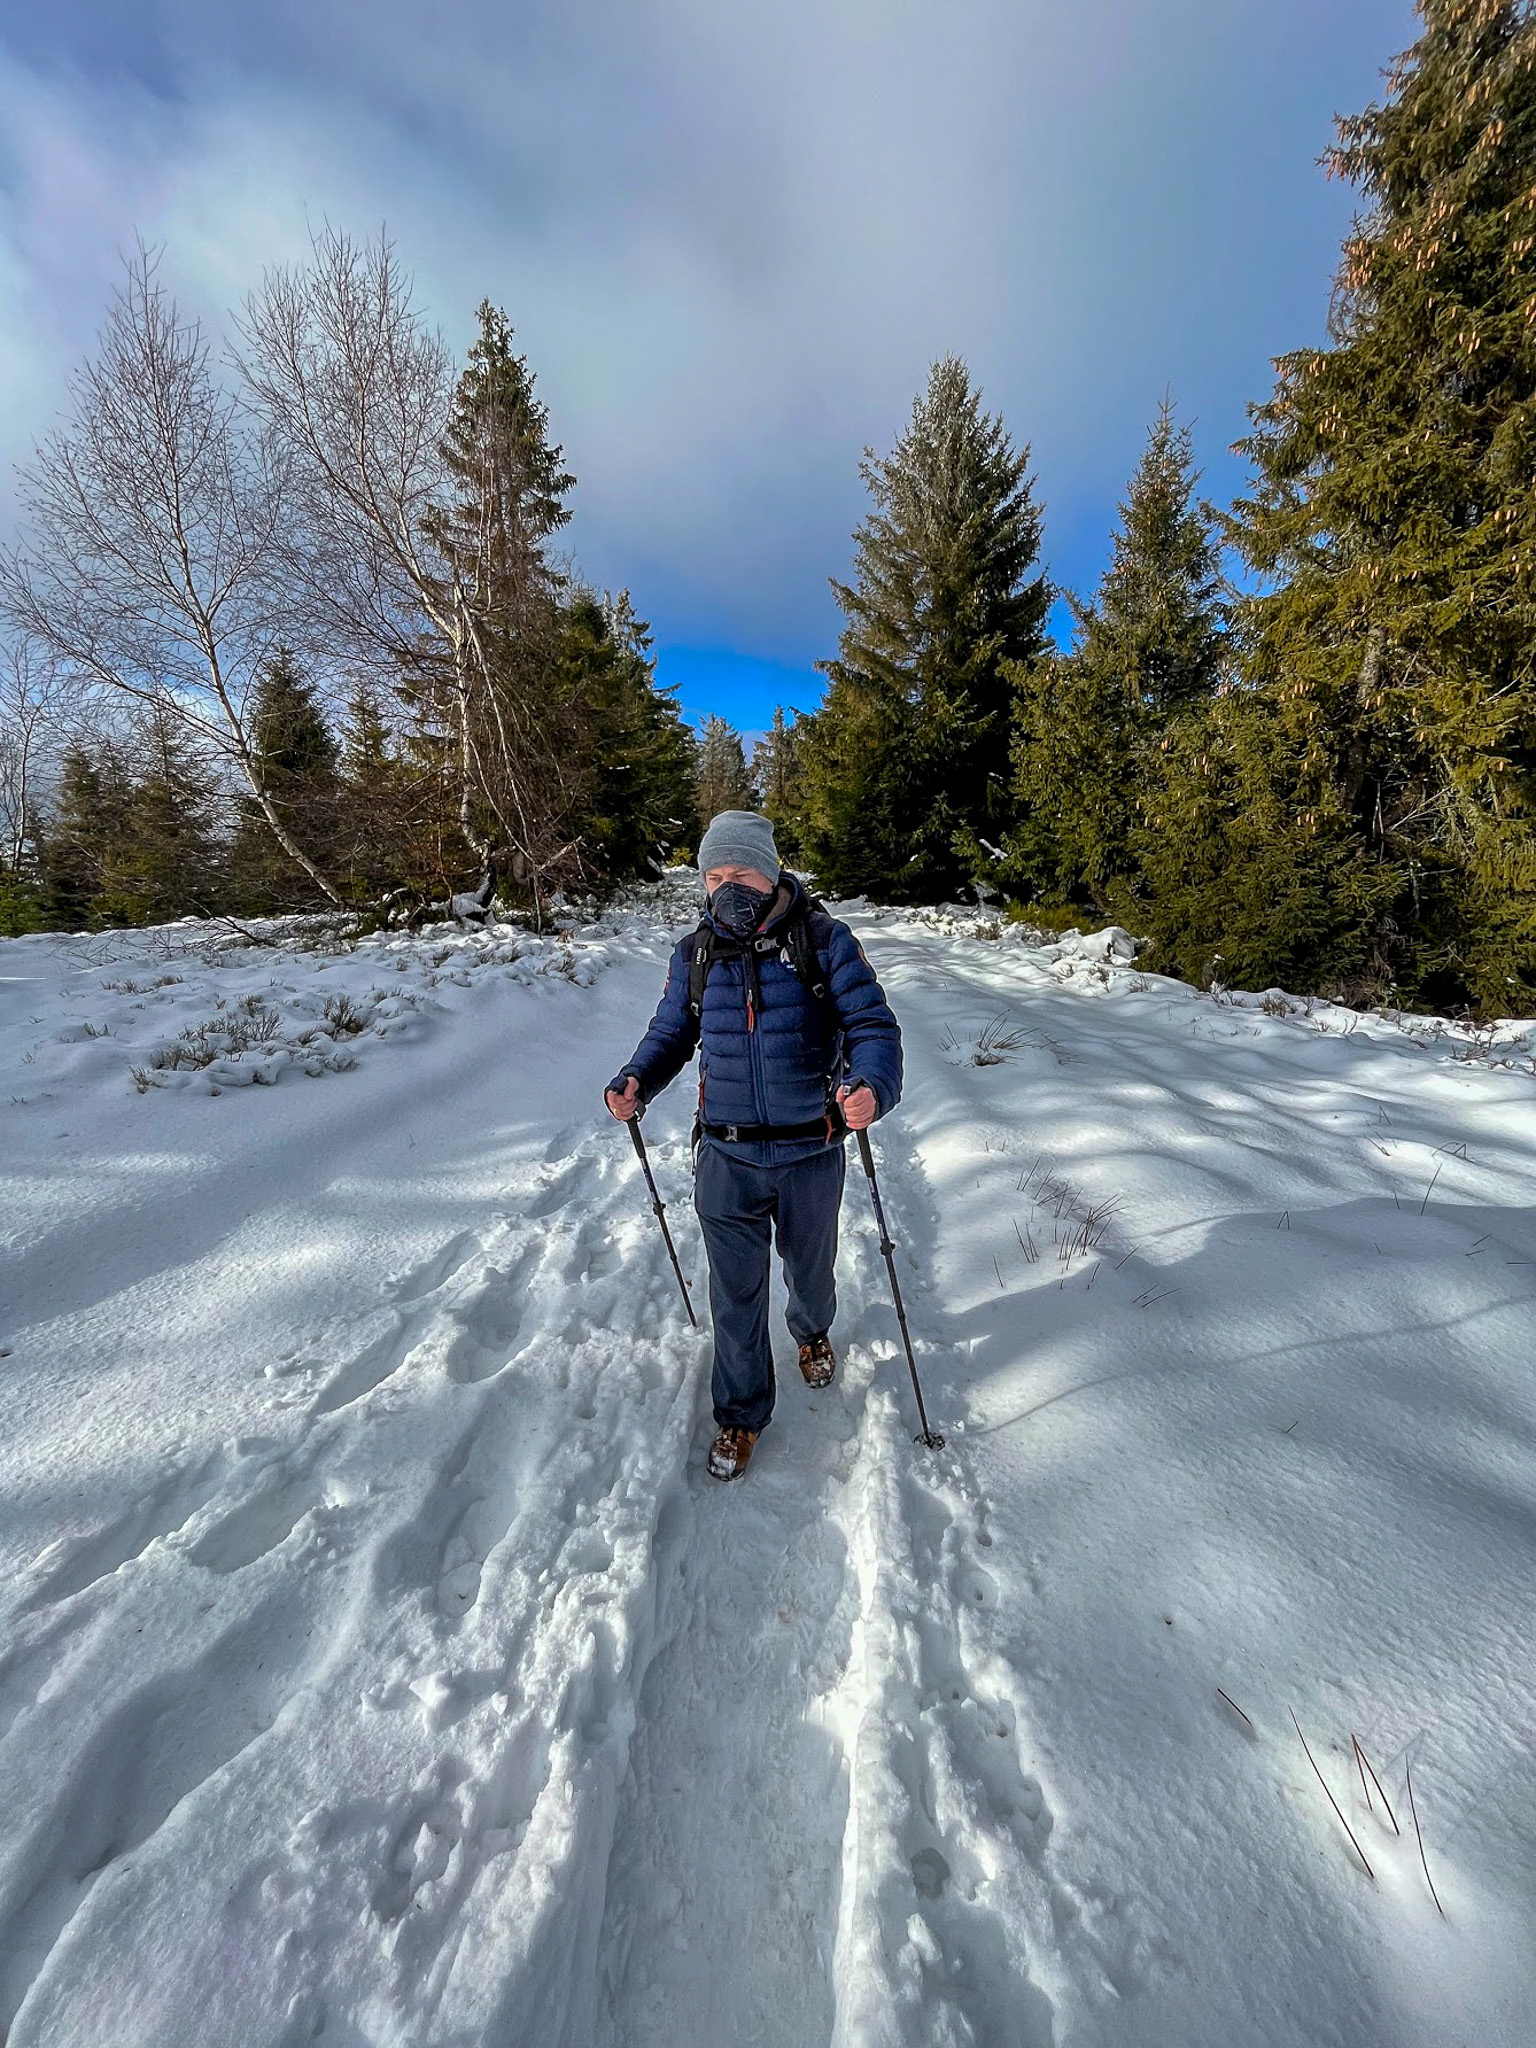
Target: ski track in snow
{"x": 450, "y": 1704}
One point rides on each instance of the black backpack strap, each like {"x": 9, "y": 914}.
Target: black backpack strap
{"x": 802, "y": 953}
{"x": 699, "y": 965}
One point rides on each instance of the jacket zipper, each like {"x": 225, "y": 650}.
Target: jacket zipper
{"x": 759, "y": 1079}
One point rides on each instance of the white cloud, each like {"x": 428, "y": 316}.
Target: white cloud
{"x": 731, "y": 239}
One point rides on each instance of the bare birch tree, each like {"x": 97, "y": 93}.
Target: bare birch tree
{"x": 153, "y": 516}
{"x": 358, "y": 389}
{"x": 29, "y": 726}
{"x": 353, "y": 384}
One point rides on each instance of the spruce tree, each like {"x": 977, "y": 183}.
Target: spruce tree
{"x": 722, "y": 781}
{"x": 511, "y": 476}
{"x": 373, "y": 808}
{"x": 905, "y": 761}
{"x": 495, "y": 696}
{"x": 638, "y": 802}
{"x": 21, "y": 901}
{"x": 170, "y": 862}
{"x": 1392, "y": 518}
{"x": 1149, "y": 648}
{"x": 83, "y": 839}
{"x": 295, "y": 758}
{"x": 776, "y": 771}
{"x": 1231, "y": 884}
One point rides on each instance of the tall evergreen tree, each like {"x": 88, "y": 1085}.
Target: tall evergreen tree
{"x": 374, "y": 840}
{"x": 638, "y": 804}
{"x": 1393, "y": 518}
{"x": 1149, "y": 648}
{"x": 495, "y": 693}
{"x": 776, "y": 771}
{"x": 170, "y": 862}
{"x": 83, "y": 840}
{"x": 21, "y": 899}
{"x": 722, "y": 781}
{"x": 295, "y": 757}
{"x": 904, "y": 761}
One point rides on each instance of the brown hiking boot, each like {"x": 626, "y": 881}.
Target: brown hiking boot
{"x": 729, "y": 1452}
{"x": 818, "y": 1361}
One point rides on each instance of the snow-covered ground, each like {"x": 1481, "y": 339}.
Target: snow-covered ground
{"x": 380, "y": 1667}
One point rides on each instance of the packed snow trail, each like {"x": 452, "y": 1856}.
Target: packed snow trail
{"x": 380, "y": 1667}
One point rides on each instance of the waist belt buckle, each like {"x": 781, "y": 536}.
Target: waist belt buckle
{"x": 732, "y": 1133}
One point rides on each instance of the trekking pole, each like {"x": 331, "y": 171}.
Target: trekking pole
{"x": 661, "y": 1211}
{"x": 927, "y": 1436}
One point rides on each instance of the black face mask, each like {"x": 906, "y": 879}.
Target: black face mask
{"x": 740, "y": 909}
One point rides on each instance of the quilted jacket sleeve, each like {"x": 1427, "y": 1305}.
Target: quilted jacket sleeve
{"x": 871, "y": 1035}
{"x": 673, "y": 1034}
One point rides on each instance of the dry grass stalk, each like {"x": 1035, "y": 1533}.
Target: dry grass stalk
{"x": 1232, "y": 1703}
{"x": 1149, "y": 1297}
{"x": 1413, "y": 1809}
{"x": 1369, "y": 1766}
{"x": 1430, "y": 1189}
{"x": 1360, "y": 1767}
{"x": 1343, "y": 1823}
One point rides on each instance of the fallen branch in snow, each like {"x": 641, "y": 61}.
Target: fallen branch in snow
{"x": 1413, "y": 1809}
{"x": 1343, "y": 1823}
{"x": 224, "y": 922}
{"x": 1364, "y": 1760}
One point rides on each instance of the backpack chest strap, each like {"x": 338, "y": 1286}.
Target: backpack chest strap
{"x": 792, "y": 944}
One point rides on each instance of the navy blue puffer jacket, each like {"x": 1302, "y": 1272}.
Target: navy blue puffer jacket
{"x": 775, "y": 1067}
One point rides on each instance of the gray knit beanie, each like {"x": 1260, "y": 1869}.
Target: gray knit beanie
{"x": 741, "y": 839}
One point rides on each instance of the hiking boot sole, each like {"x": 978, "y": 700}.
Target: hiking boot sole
{"x": 819, "y": 1372}
{"x": 724, "y": 1465}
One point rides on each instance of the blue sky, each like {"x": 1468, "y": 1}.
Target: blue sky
{"x": 731, "y": 239}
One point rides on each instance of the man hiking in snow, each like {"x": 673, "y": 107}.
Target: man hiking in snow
{"x": 797, "y": 1045}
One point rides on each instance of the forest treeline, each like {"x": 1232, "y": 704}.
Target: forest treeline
{"x": 1293, "y": 739}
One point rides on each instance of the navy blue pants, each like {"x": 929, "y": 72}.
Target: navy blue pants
{"x": 739, "y": 1205}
